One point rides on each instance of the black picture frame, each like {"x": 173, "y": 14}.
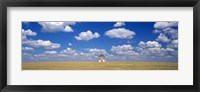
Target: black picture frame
{"x": 101, "y": 3}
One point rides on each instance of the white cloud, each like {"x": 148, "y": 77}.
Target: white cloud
{"x": 68, "y": 29}
{"x": 86, "y": 36}
{"x": 41, "y": 43}
{"x": 156, "y": 31}
{"x": 54, "y": 55}
{"x": 150, "y": 47}
{"x": 27, "y": 57}
{"x": 70, "y": 44}
{"x": 56, "y": 26}
{"x": 93, "y": 53}
{"x": 153, "y": 48}
{"x": 163, "y": 38}
{"x": 23, "y": 37}
{"x": 27, "y": 48}
{"x": 173, "y": 44}
{"x": 120, "y": 53}
{"x": 142, "y": 44}
{"x": 166, "y": 28}
{"x": 50, "y": 52}
{"x": 162, "y": 25}
{"x": 69, "y": 52}
{"x": 169, "y": 49}
{"x": 46, "y": 55}
{"x": 153, "y": 44}
{"x": 119, "y": 24}
{"x": 172, "y": 32}
{"x": 26, "y": 54}
{"x": 97, "y": 51}
{"x": 121, "y": 33}
{"x": 169, "y": 30}
{"x": 28, "y": 32}
{"x": 123, "y": 50}
{"x": 168, "y": 33}
{"x": 158, "y": 51}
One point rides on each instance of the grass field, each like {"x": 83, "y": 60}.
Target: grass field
{"x": 99, "y": 66}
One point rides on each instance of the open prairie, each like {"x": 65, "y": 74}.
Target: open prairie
{"x": 99, "y": 66}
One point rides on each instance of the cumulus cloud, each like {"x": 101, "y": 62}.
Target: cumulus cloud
{"x": 161, "y": 51}
{"x": 168, "y": 28}
{"x": 86, "y": 36}
{"x": 142, "y": 44}
{"x": 27, "y": 57}
{"x": 156, "y": 31}
{"x": 27, "y": 33}
{"x": 46, "y": 55}
{"x": 95, "y": 51}
{"x": 119, "y": 53}
{"x": 163, "y": 38}
{"x": 150, "y": 47}
{"x": 68, "y": 29}
{"x": 23, "y": 37}
{"x": 123, "y": 50}
{"x": 154, "y": 49}
{"x": 27, "y": 48}
{"x": 173, "y": 44}
{"x": 121, "y": 33}
{"x": 56, "y": 26}
{"x": 173, "y": 33}
{"x": 119, "y": 24}
{"x": 168, "y": 34}
{"x": 162, "y": 25}
{"x": 50, "y": 52}
{"x": 153, "y": 44}
{"x": 68, "y": 52}
{"x": 169, "y": 49}
{"x": 41, "y": 43}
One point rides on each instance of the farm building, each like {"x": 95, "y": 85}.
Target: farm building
{"x": 101, "y": 58}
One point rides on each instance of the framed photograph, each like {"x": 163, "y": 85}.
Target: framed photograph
{"x": 121, "y": 45}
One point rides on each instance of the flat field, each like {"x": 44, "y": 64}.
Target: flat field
{"x": 99, "y": 66}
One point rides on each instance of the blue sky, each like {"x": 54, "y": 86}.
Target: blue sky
{"x": 85, "y": 41}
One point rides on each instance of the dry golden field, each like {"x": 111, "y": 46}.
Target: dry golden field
{"x": 99, "y": 66}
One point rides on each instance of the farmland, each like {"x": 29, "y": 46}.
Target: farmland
{"x": 99, "y": 66}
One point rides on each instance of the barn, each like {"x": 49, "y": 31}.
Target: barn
{"x": 101, "y": 58}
